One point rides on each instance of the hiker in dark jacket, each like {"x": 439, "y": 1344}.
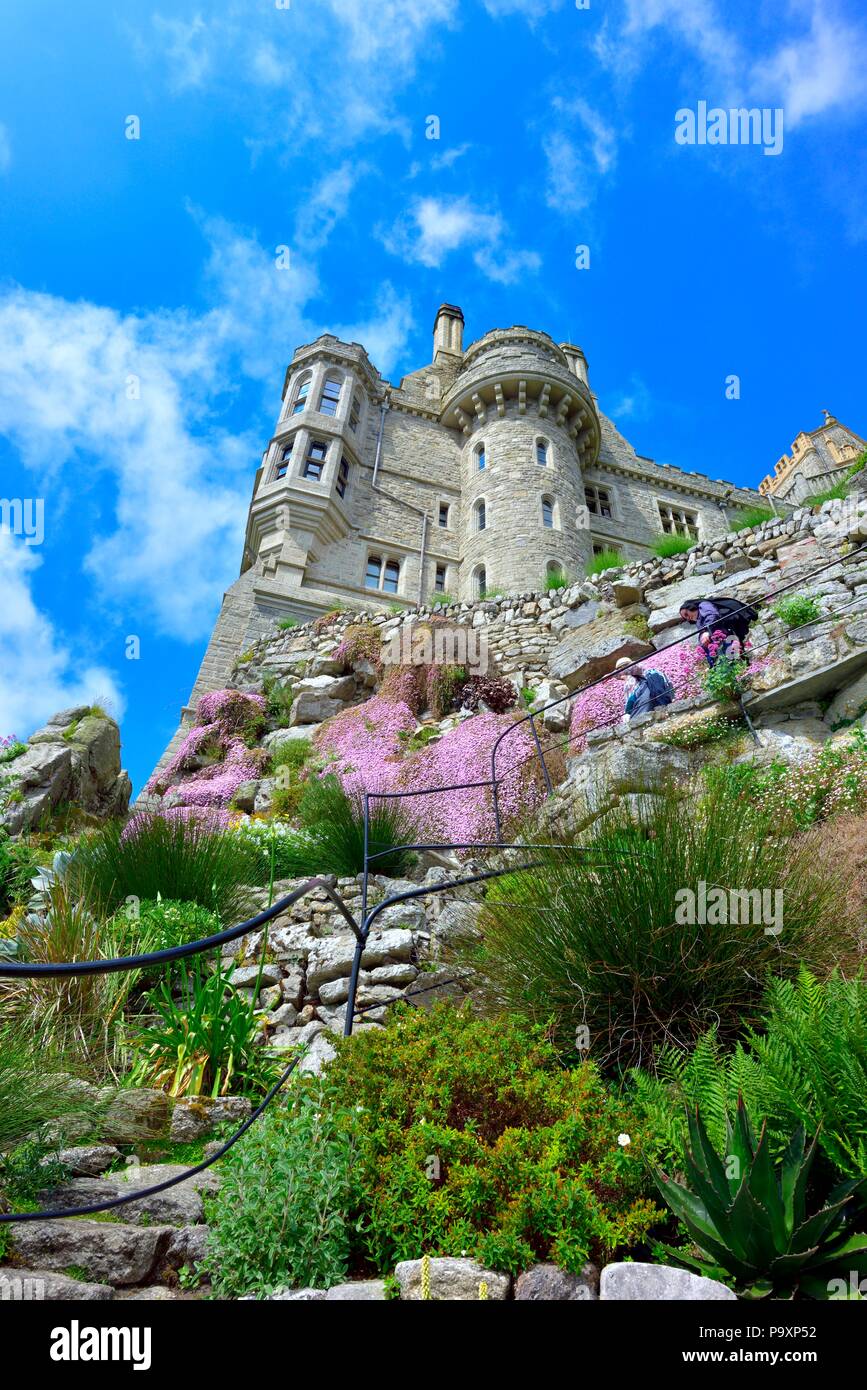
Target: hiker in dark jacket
{"x": 650, "y": 690}
{"x": 726, "y": 615}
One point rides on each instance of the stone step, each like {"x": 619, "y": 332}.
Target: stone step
{"x": 20, "y": 1285}
{"x": 105, "y": 1252}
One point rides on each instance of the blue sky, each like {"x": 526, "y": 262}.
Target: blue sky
{"x": 306, "y": 127}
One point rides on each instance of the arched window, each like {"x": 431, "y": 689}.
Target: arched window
{"x": 391, "y": 577}
{"x": 549, "y": 512}
{"x": 373, "y": 573}
{"x": 480, "y": 582}
{"x": 330, "y": 397}
{"x": 301, "y": 393}
{"x": 481, "y": 516}
{"x": 542, "y": 452}
{"x": 481, "y": 457}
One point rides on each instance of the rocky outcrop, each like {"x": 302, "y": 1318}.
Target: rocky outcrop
{"x": 74, "y": 760}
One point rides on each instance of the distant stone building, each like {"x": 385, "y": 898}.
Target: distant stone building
{"x": 819, "y": 460}
{"x": 487, "y": 469}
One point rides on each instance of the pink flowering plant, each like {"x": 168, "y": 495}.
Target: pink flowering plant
{"x": 214, "y": 758}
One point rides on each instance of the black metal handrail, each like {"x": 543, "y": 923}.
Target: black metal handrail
{"x": 361, "y": 932}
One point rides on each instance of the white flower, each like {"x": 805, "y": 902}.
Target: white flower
{"x": 623, "y": 1140}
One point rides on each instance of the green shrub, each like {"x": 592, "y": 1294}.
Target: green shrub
{"x": 749, "y": 518}
{"x": 278, "y": 697}
{"x": 9, "y": 751}
{"x": 607, "y": 560}
{"x": 292, "y": 753}
{"x": 156, "y": 924}
{"x": 334, "y": 819}
{"x": 182, "y": 860}
{"x": 286, "y": 624}
{"x": 724, "y": 680}
{"x": 204, "y": 1040}
{"x": 471, "y": 1139}
{"x": 19, "y": 863}
{"x": 797, "y": 610}
{"x": 666, "y": 546}
{"x": 804, "y": 1063}
{"x": 828, "y": 783}
{"x": 442, "y": 601}
{"x": 749, "y": 1221}
{"x": 281, "y": 1216}
{"x": 858, "y": 466}
{"x": 30, "y": 1169}
{"x": 613, "y": 949}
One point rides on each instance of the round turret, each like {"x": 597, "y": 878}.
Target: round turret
{"x": 529, "y": 425}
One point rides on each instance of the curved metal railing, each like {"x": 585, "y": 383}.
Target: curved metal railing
{"x": 361, "y": 930}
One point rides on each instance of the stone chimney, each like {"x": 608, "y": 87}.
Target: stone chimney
{"x": 448, "y": 332}
{"x": 577, "y": 361}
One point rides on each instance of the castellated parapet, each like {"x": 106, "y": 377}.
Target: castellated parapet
{"x": 488, "y": 469}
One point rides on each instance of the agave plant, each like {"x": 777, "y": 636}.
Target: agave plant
{"x": 748, "y": 1216}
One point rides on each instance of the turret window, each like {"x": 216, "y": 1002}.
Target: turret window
{"x": 300, "y": 402}
{"x": 342, "y": 477}
{"x": 315, "y": 461}
{"x": 542, "y": 452}
{"x": 330, "y": 397}
{"x": 598, "y": 500}
{"x": 481, "y": 457}
{"x": 440, "y": 579}
{"x": 480, "y": 582}
{"x": 444, "y": 514}
{"x": 548, "y": 512}
{"x": 481, "y": 516}
{"x": 285, "y": 460}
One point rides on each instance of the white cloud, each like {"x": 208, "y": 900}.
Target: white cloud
{"x": 178, "y": 480}
{"x": 634, "y": 403}
{"x": 817, "y": 69}
{"x": 531, "y": 9}
{"x": 507, "y": 267}
{"x": 579, "y": 149}
{"x": 324, "y": 207}
{"x": 39, "y": 673}
{"x": 818, "y": 72}
{"x": 433, "y": 228}
{"x": 5, "y": 148}
{"x": 328, "y": 70}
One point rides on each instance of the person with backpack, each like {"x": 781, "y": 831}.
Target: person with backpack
{"x": 727, "y": 615}
{"x": 650, "y": 689}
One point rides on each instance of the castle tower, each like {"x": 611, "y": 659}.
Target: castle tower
{"x": 819, "y": 460}
{"x": 529, "y": 426}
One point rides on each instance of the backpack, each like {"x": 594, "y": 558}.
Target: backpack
{"x": 660, "y": 687}
{"x": 740, "y": 615}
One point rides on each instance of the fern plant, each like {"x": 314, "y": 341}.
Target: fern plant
{"x": 807, "y": 1065}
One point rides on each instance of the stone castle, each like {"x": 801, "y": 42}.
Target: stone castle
{"x": 486, "y": 470}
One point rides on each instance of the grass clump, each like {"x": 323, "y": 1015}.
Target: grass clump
{"x": 666, "y": 546}
{"x": 555, "y": 579}
{"x": 334, "y": 820}
{"x": 185, "y": 860}
{"x": 607, "y": 560}
{"x": 749, "y": 518}
{"x": 599, "y": 934}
